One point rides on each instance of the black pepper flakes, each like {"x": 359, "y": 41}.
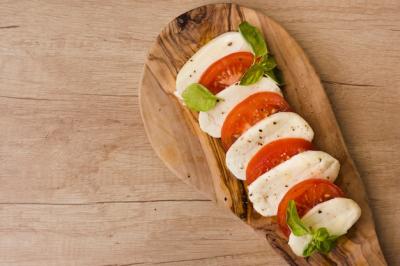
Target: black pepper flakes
{"x": 230, "y": 43}
{"x": 274, "y": 123}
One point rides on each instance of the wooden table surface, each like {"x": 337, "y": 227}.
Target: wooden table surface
{"x": 80, "y": 184}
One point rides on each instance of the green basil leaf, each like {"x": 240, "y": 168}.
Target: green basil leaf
{"x": 271, "y": 74}
{"x": 294, "y": 222}
{"x": 321, "y": 234}
{"x": 268, "y": 63}
{"x": 254, "y": 37}
{"x": 326, "y": 246}
{"x": 333, "y": 237}
{"x": 252, "y": 75}
{"x": 198, "y": 98}
{"x": 329, "y": 244}
{"x": 321, "y": 241}
{"x": 309, "y": 250}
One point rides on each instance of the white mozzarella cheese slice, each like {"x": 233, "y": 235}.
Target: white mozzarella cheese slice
{"x": 267, "y": 191}
{"x": 211, "y": 122}
{"x": 223, "y": 45}
{"x": 277, "y": 126}
{"x": 337, "y": 215}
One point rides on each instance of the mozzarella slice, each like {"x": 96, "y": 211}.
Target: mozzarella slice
{"x": 267, "y": 191}
{"x": 223, "y": 45}
{"x": 211, "y": 122}
{"x": 277, "y": 126}
{"x": 337, "y": 215}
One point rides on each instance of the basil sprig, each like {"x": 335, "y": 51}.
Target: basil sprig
{"x": 198, "y": 98}
{"x": 321, "y": 240}
{"x": 264, "y": 64}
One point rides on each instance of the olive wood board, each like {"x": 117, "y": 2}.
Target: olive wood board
{"x": 199, "y": 159}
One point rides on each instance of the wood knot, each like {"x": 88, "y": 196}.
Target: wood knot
{"x": 183, "y": 20}
{"x": 197, "y": 16}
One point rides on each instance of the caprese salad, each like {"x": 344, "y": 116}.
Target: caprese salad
{"x": 233, "y": 82}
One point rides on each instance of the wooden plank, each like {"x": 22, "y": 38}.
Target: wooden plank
{"x": 79, "y": 158}
{"x": 74, "y": 234}
{"x": 67, "y": 50}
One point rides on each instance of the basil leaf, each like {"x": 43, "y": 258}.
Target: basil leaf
{"x": 321, "y": 241}
{"x": 293, "y": 220}
{"x": 271, "y": 74}
{"x": 326, "y": 246}
{"x": 321, "y": 234}
{"x": 254, "y": 37}
{"x": 268, "y": 63}
{"x": 309, "y": 250}
{"x": 252, "y": 75}
{"x": 333, "y": 237}
{"x": 198, "y": 98}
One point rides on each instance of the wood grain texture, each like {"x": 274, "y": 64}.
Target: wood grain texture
{"x": 178, "y": 140}
{"x": 76, "y": 166}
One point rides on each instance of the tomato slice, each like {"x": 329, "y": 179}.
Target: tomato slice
{"x": 248, "y": 112}
{"x": 273, "y": 154}
{"x": 226, "y": 71}
{"x": 306, "y": 194}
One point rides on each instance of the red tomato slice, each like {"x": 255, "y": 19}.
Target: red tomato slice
{"x": 226, "y": 71}
{"x": 273, "y": 154}
{"x": 306, "y": 194}
{"x": 248, "y": 112}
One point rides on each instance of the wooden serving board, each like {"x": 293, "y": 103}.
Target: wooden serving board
{"x": 199, "y": 160}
